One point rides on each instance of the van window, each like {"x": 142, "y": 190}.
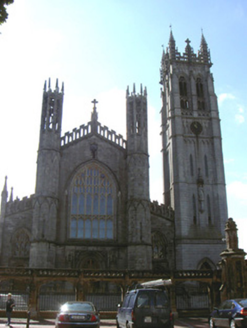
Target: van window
{"x": 161, "y": 299}
{"x": 143, "y": 300}
{"x": 131, "y": 300}
{"x": 126, "y": 301}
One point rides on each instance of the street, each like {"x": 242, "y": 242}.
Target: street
{"x": 191, "y": 322}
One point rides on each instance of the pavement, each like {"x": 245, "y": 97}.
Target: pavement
{"x": 190, "y": 322}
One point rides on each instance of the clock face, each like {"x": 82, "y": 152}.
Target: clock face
{"x": 196, "y": 127}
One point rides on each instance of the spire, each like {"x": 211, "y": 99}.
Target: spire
{"x": 205, "y": 55}
{"x": 127, "y": 92}
{"x": 94, "y": 116}
{"x": 5, "y": 192}
{"x": 172, "y": 46}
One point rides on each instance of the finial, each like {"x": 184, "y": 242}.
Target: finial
{"x": 11, "y": 195}
{"x": 5, "y": 184}
{"x": 141, "y": 89}
{"x": 145, "y": 91}
{"x": 134, "y": 88}
{"x": 49, "y": 84}
{"x": 127, "y": 91}
{"x": 57, "y": 89}
{"x": 94, "y": 102}
{"x": 188, "y": 42}
{"x": 45, "y": 86}
{"x": 94, "y": 116}
{"x": 62, "y": 87}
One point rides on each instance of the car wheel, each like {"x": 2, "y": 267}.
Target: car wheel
{"x": 232, "y": 324}
{"x": 211, "y": 323}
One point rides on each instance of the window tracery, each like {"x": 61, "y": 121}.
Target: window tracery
{"x": 21, "y": 244}
{"x": 92, "y": 204}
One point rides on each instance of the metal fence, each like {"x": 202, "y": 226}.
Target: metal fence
{"x": 21, "y": 301}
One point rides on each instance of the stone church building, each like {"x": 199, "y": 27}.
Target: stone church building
{"x": 91, "y": 207}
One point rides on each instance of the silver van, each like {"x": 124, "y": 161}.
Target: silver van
{"x": 145, "y": 308}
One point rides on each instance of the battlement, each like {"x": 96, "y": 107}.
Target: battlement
{"x": 86, "y": 130}
{"x": 134, "y": 94}
{"x": 162, "y": 210}
{"x": 191, "y": 56}
{"x": 18, "y": 205}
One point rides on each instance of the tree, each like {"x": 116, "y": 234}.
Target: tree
{"x": 3, "y": 11}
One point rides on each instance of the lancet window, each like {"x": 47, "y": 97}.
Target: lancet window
{"x": 184, "y": 103}
{"x": 92, "y": 204}
{"x": 200, "y": 94}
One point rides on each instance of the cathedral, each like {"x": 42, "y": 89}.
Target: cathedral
{"x": 91, "y": 208}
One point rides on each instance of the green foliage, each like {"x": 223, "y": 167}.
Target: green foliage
{"x": 3, "y": 11}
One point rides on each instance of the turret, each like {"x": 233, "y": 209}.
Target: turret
{"x": 42, "y": 251}
{"x": 138, "y": 181}
{"x": 4, "y": 198}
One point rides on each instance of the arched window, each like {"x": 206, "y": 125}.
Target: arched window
{"x": 92, "y": 204}
{"x": 194, "y": 209}
{"x": 206, "y": 165}
{"x": 159, "y": 247}
{"x": 21, "y": 244}
{"x": 209, "y": 210}
{"x": 184, "y": 103}
{"x": 200, "y": 94}
{"x": 191, "y": 166}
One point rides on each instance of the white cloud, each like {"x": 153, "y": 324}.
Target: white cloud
{"x": 225, "y": 96}
{"x": 237, "y": 189}
{"x": 239, "y": 118}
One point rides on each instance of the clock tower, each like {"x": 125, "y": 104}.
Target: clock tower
{"x": 194, "y": 181}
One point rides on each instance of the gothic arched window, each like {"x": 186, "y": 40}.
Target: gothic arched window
{"x": 159, "y": 247}
{"x": 21, "y": 244}
{"x": 92, "y": 204}
{"x": 194, "y": 209}
{"x": 191, "y": 166}
{"x": 209, "y": 210}
{"x": 184, "y": 103}
{"x": 206, "y": 165}
{"x": 200, "y": 94}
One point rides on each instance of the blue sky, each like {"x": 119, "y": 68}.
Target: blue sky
{"x": 97, "y": 48}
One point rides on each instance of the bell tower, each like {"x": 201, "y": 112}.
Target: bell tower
{"x": 42, "y": 250}
{"x": 138, "y": 202}
{"x": 193, "y": 170}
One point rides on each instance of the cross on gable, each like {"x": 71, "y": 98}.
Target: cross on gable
{"x": 94, "y": 102}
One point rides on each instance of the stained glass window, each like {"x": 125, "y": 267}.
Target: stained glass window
{"x": 92, "y": 200}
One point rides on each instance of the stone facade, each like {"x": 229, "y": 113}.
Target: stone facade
{"x": 91, "y": 207}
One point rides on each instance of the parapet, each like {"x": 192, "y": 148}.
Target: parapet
{"x": 162, "y": 210}
{"x": 86, "y": 130}
{"x": 18, "y": 205}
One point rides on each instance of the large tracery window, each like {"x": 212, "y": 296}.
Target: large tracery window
{"x": 92, "y": 204}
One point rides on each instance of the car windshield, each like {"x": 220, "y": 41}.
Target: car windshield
{"x": 77, "y": 307}
{"x": 243, "y": 302}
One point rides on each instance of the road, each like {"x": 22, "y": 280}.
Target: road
{"x": 179, "y": 323}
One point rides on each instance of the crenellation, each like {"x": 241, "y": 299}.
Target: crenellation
{"x": 85, "y": 130}
{"x": 18, "y": 205}
{"x": 162, "y": 210}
